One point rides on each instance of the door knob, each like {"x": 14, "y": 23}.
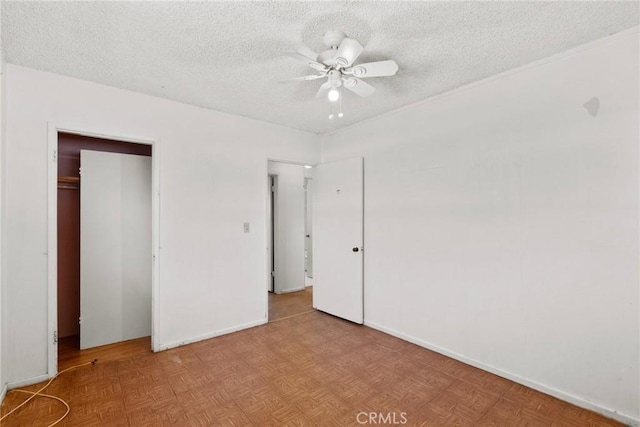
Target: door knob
{"x": 355, "y": 249}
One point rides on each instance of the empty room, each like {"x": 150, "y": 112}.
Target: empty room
{"x": 335, "y": 213}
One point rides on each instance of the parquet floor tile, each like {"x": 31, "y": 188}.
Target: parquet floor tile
{"x": 304, "y": 368}
{"x": 285, "y": 305}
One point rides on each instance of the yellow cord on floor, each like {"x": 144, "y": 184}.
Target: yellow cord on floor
{"x": 39, "y": 393}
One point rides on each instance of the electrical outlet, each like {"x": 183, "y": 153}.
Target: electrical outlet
{"x": 247, "y": 227}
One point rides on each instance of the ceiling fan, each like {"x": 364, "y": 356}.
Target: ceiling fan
{"x": 336, "y": 64}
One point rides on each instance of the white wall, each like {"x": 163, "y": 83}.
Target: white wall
{"x": 289, "y": 215}
{"x": 501, "y": 224}
{"x": 212, "y": 178}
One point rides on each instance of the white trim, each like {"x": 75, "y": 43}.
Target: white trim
{"x": 155, "y": 242}
{"x": 3, "y": 386}
{"x": 567, "y": 397}
{"x": 52, "y": 248}
{"x": 210, "y": 335}
{"x": 27, "y": 382}
{"x": 290, "y": 162}
{"x": 267, "y": 240}
{"x": 52, "y": 230}
{"x": 288, "y": 291}
{"x": 630, "y": 32}
{"x": 275, "y": 222}
{"x": 271, "y": 232}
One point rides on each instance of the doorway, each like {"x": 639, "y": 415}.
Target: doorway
{"x": 288, "y": 235}
{"x": 69, "y": 150}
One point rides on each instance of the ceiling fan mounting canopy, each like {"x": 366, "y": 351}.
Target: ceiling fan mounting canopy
{"x": 333, "y": 38}
{"x": 336, "y": 64}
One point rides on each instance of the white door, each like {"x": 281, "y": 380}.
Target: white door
{"x": 115, "y": 247}
{"x": 338, "y": 242}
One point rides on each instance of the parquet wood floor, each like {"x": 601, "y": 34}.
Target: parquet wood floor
{"x": 70, "y": 355}
{"x": 309, "y": 370}
{"x": 291, "y": 304}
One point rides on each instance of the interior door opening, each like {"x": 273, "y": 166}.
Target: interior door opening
{"x": 69, "y": 232}
{"x": 287, "y": 252}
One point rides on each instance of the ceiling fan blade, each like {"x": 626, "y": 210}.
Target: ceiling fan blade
{"x": 359, "y": 87}
{"x": 324, "y": 89}
{"x": 348, "y": 52}
{"x": 304, "y": 78}
{"x": 374, "y": 69}
{"x": 310, "y": 62}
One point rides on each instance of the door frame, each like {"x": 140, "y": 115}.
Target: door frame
{"x": 267, "y": 226}
{"x": 308, "y": 228}
{"x": 52, "y": 230}
{"x": 272, "y": 214}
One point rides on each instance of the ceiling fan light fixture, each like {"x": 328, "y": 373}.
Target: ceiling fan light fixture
{"x": 333, "y": 95}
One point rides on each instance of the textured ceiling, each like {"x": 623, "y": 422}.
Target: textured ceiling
{"x": 228, "y": 56}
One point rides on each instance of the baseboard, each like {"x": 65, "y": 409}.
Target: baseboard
{"x": 28, "y": 381}
{"x": 567, "y": 397}
{"x": 288, "y": 291}
{"x": 214, "y": 334}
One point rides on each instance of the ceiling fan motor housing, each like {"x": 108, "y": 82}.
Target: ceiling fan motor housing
{"x": 328, "y": 57}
